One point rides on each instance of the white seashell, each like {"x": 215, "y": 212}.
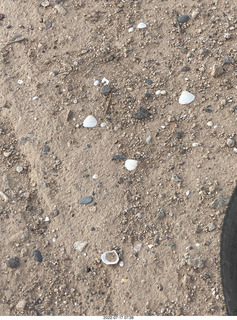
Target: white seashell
{"x": 141, "y": 25}
{"x": 186, "y": 97}
{"x": 110, "y": 257}
{"x": 103, "y": 125}
{"x": 130, "y": 164}
{"x": 90, "y": 122}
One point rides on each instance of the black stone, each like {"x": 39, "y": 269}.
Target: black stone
{"x": 110, "y": 58}
{"x": 183, "y": 18}
{"x": 86, "y": 200}
{"x": 13, "y": 262}
{"x": 142, "y": 113}
{"x": 118, "y": 157}
{"x": 37, "y": 255}
{"x": 105, "y": 89}
{"x": 149, "y": 81}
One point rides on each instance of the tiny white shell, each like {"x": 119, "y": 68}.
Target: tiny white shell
{"x": 186, "y": 97}
{"x": 110, "y": 257}
{"x": 130, "y": 164}
{"x": 141, "y": 25}
{"x": 90, "y": 122}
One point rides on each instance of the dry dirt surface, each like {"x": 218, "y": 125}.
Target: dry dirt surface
{"x": 164, "y": 218}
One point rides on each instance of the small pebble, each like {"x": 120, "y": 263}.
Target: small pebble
{"x": 103, "y": 125}
{"x": 37, "y": 255}
{"x": 209, "y": 123}
{"x": 141, "y": 25}
{"x": 105, "y": 89}
{"x": 160, "y": 214}
{"x": 195, "y": 14}
{"x": 131, "y": 29}
{"x": 21, "y": 305}
{"x": 183, "y": 18}
{"x": 19, "y": 169}
{"x": 20, "y": 81}
{"x": 60, "y": 9}
{"x": 121, "y": 263}
{"x": 211, "y": 226}
{"x": 230, "y": 142}
{"x": 148, "y": 139}
{"x": 95, "y": 176}
{"x": 96, "y": 83}
{"x": 86, "y": 200}
{"x": 216, "y": 71}
{"x": 13, "y": 262}
{"x": 46, "y": 148}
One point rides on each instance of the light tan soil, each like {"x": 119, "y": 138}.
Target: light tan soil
{"x": 59, "y": 64}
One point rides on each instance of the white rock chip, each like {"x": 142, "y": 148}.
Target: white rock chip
{"x": 104, "y": 80}
{"x": 130, "y": 164}
{"x": 80, "y": 245}
{"x": 96, "y": 83}
{"x": 186, "y": 97}
{"x": 131, "y": 29}
{"x": 230, "y": 142}
{"x": 141, "y": 25}
{"x": 90, "y": 122}
{"x": 19, "y": 169}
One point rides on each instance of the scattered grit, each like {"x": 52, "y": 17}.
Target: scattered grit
{"x": 66, "y": 195}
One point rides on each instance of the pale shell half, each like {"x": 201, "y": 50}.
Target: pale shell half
{"x": 110, "y": 257}
{"x": 186, "y": 97}
{"x": 141, "y": 25}
{"x": 130, "y": 164}
{"x": 90, "y": 122}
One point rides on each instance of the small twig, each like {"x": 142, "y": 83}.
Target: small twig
{"x": 12, "y": 42}
{"x": 108, "y": 104}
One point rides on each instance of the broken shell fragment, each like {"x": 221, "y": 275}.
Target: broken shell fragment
{"x": 130, "y": 164}
{"x": 90, "y": 122}
{"x": 186, "y": 97}
{"x": 110, "y": 257}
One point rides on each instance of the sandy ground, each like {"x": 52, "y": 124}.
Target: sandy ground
{"x": 162, "y": 218}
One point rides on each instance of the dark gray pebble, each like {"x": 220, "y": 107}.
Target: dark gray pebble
{"x": 118, "y": 157}
{"x": 86, "y": 200}
{"x": 183, "y": 18}
{"x": 105, "y": 89}
{"x": 185, "y": 69}
{"x": 142, "y": 113}
{"x": 46, "y": 148}
{"x": 48, "y": 25}
{"x": 37, "y": 255}
{"x": 13, "y": 262}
